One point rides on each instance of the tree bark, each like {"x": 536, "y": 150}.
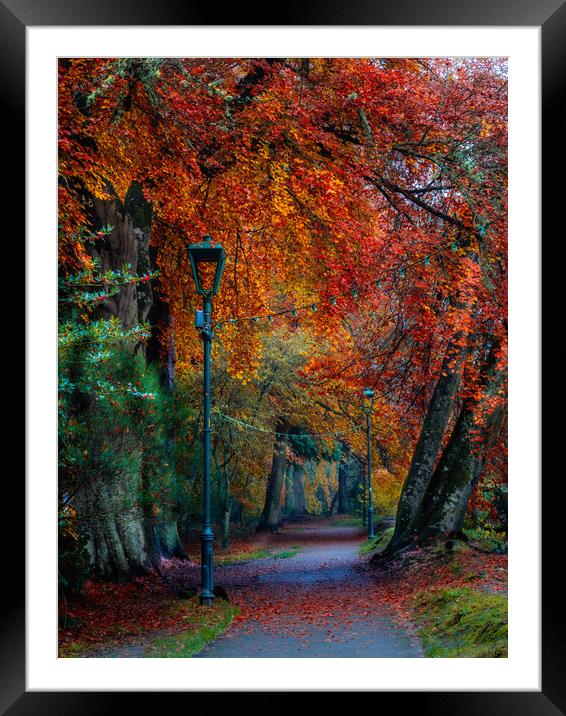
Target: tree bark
{"x": 271, "y": 514}
{"x": 167, "y": 540}
{"x": 442, "y": 508}
{"x": 295, "y": 502}
{"x": 429, "y": 443}
{"x": 333, "y": 504}
{"x": 299, "y": 490}
{"x": 114, "y": 526}
{"x": 226, "y": 509}
{"x": 457, "y": 473}
{"x": 343, "y": 473}
{"x": 289, "y": 504}
{"x": 125, "y": 537}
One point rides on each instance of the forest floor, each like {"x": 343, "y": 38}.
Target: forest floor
{"x": 305, "y": 592}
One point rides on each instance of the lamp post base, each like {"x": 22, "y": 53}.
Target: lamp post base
{"x": 206, "y": 596}
{"x": 371, "y": 530}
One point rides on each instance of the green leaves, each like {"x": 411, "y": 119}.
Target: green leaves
{"x": 90, "y": 286}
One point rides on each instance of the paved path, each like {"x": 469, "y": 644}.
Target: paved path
{"x": 319, "y": 603}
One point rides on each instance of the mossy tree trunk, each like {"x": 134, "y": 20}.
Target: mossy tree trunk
{"x": 426, "y": 452}
{"x": 167, "y": 540}
{"x": 125, "y": 536}
{"x": 113, "y": 521}
{"x": 458, "y": 471}
{"x": 109, "y": 508}
{"x": 442, "y": 505}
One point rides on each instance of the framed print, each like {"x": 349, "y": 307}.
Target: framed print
{"x": 271, "y": 309}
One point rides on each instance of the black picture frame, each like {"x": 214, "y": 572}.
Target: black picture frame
{"x": 550, "y": 15}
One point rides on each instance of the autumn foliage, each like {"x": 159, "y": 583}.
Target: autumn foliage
{"x": 367, "y": 195}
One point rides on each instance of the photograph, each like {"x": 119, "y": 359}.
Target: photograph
{"x": 282, "y": 353}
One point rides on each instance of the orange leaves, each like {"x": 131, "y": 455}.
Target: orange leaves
{"x": 317, "y": 176}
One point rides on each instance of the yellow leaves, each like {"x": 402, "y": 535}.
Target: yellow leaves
{"x": 387, "y": 488}
{"x": 485, "y": 128}
{"x": 282, "y": 202}
{"x": 263, "y": 151}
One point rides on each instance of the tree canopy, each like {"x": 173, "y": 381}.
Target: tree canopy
{"x": 362, "y": 204}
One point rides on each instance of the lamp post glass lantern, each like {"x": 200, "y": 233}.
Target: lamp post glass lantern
{"x": 207, "y": 263}
{"x": 368, "y": 395}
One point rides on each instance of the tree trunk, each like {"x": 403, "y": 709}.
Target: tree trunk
{"x": 226, "y": 510}
{"x": 299, "y": 490}
{"x": 126, "y": 244}
{"x": 333, "y": 504}
{"x": 442, "y": 508}
{"x": 289, "y": 504}
{"x": 114, "y": 527}
{"x": 154, "y": 553}
{"x": 225, "y": 541}
{"x": 271, "y": 514}
{"x": 120, "y": 532}
{"x": 428, "y": 446}
{"x": 447, "y": 509}
{"x": 343, "y": 471}
{"x": 295, "y": 502}
{"x": 501, "y": 507}
{"x": 167, "y": 540}
{"x": 459, "y": 469}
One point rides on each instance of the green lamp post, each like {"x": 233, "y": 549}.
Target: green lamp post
{"x": 368, "y": 407}
{"x": 207, "y": 263}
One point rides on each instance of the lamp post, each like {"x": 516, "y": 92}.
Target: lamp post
{"x": 364, "y": 501}
{"x": 207, "y": 263}
{"x": 368, "y": 394}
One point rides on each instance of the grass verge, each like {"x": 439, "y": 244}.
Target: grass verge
{"x": 462, "y": 622}
{"x": 261, "y": 553}
{"x": 349, "y": 521}
{"x": 200, "y": 626}
{"x": 380, "y": 541}
{"x": 291, "y": 552}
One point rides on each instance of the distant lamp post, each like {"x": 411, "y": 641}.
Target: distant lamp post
{"x": 368, "y": 407}
{"x": 207, "y": 263}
